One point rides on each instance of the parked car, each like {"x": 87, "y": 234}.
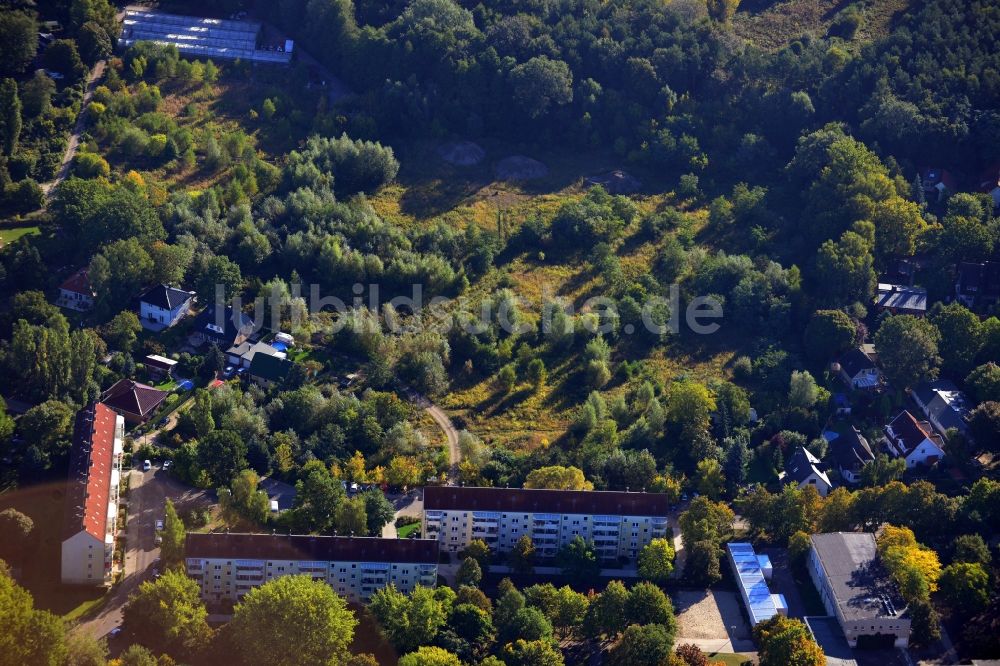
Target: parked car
{"x": 167, "y": 464}
{"x": 159, "y": 525}
{"x": 146, "y": 465}
{"x": 114, "y": 632}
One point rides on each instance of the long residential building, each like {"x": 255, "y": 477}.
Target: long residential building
{"x": 227, "y": 566}
{"x": 618, "y": 524}
{"x": 91, "y": 522}
{"x": 857, "y": 590}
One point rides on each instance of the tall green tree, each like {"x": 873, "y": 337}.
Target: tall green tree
{"x": 18, "y": 41}
{"x": 647, "y": 645}
{"x": 10, "y": 116}
{"x": 29, "y": 636}
{"x": 172, "y": 546}
{"x": 169, "y": 615}
{"x": 222, "y": 454}
{"x": 411, "y": 621}
{"x": 656, "y": 561}
{"x": 963, "y": 333}
{"x": 908, "y": 349}
{"x": 292, "y": 611}
{"x": 828, "y": 334}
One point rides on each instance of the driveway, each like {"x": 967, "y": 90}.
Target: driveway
{"x": 146, "y": 499}
{"x": 410, "y": 504}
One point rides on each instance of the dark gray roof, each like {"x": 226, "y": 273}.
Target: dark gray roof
{"x": 950, "y": 410}
{"x": 901, "y": 297}
{"x": 225, "y": 328}
{"x": 801, "y": 464}
{"x": 924, "y": 392}
{"x": 313, "y": 548}
{"x": 163, "y": 296}
{"x": 857, "y": 579}
{"x": 851, "y": 450}
{"x": 855, "y": 361}
{"x": 525, "y": 500}
{"x": 269, "y": 367}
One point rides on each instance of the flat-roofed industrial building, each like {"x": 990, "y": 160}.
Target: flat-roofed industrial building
{"x": 857, "y": 590}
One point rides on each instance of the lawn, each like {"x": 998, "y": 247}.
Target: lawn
{"x": 405, "y": 531}
{"x": 11, "y": 234}
{"x": 44, "y": 503}
{"x": 728, "y": 658}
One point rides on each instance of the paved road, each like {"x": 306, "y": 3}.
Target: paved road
{"x": 410, "y": 504}
{"x": 81, "y": 122}
{"x": 146, "y": 498}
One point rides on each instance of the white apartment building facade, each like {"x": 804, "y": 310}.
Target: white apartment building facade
{"x": 92, "y": 494}
{"x": 618, "y": 524}
{"x": 227, "y": 566}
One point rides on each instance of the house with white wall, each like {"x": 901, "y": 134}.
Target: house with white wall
{"x": 914, "y": 441}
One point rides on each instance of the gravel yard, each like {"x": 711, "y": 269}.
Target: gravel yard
{"x": 708, "y": 614}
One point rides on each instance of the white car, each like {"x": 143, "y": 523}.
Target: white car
{"x": 146, "y": 465}
{"x": 159, "y": 525}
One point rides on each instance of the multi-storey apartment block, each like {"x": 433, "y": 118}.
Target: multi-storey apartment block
{"x": 227, "y": 566}
{"x": 91, "y": 525}
{"x": 618, "y": 524}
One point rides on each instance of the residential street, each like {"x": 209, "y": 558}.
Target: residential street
{"x": 146, "y": 498}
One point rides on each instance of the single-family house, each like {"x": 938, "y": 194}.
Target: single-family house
{"x": 977, "y": 285}
{"x": 242, "y": 355}
{"x": 901, "y": 299}
{"x": 937, "y": 184}
{"x": 859, "y": 370}
{"x": 136, "y": 402}
{"x": 76, "y": 293}
{"x": 989, "y": 183}
{"x": 159, "y": 366}
{"x": 163, "y": 306}
{"x": 850, "y": 453}
{"x": 943, "y": 405}
{"x": 914, "y": 441}
{"x": 222, "y": 326}
{"x": 805, "y": 469}
{"x": 840, "y": 404}
{"x": 267, "y": 370}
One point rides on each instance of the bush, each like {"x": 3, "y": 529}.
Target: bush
{"x": 24, "y": 197}
{"x": 91, "y": 165}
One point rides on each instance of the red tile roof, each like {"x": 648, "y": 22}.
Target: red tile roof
{"x": 78, "y": 283}
{"x": 524, "y": 500}
{"x": 909, "y": 431}
{"x": 133, "y": 398}
{"x": 90, "y": 472}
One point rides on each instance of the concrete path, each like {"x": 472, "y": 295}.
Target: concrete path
{"x": 74, "y": 139}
